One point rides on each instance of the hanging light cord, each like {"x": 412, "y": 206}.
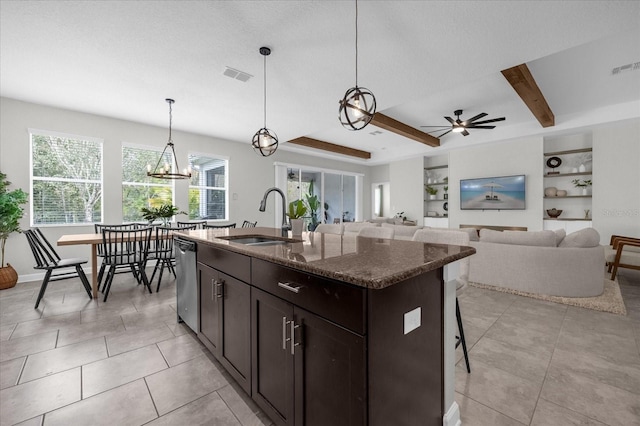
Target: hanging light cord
{"x": 265, "y": 91}
{"x": 170, "y": 121}
{"x": 356, "y": 43}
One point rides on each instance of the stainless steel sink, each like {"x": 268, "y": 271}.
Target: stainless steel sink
{"x": 257, "y": 240}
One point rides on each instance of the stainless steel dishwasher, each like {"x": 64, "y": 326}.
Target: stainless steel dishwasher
{"x": 186, "y": 282}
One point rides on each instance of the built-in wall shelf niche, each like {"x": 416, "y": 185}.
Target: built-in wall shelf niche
{"x": 566, "y": 159}
{"x": 436, "y": 176}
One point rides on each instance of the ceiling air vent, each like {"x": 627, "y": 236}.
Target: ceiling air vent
{"x": 238, "y": 75}
{"x": 624, "y": 68}
{"x": 375, "y": 132}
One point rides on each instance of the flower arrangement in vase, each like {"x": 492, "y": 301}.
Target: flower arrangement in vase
{"x": 584, "y": 184}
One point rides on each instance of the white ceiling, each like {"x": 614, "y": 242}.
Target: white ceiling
{"x": 422, "y": 60}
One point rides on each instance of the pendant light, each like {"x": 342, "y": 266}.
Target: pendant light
{"x": 164, "y": 171}
{"x": 358, "y": 105}
{"x": 265, "y": 141}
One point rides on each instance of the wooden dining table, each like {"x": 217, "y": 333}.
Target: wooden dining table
{"x": 83, "y": 239}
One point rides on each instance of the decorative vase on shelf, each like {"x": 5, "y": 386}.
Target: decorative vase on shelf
{"x": 585, "y": 191}
{"x": 550, "y": 191}
{"x": 432, "y": 197}
{"x": 561, "y": 193}
{"x": 574, "y": 170}
{"x": 582, "y": 168}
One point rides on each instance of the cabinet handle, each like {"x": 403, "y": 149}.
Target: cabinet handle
{"x": 293, "y": 336}
{"x": 284, "y": 333}
{"x": 295, "y": 288}
{"x": 220, "y": 286}
{"x": 213, "y": 288}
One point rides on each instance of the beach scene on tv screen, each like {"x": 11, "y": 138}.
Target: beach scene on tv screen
{"x": 496, "y": 193}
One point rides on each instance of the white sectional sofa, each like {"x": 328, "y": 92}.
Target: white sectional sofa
{"x": 544, "y": 262}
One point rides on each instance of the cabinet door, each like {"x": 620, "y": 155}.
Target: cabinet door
{"x": 235, "y": 329}
{"x": 272, "y": 361}
{"x": 209, "y": 317}
{"x": 329, "y": 373}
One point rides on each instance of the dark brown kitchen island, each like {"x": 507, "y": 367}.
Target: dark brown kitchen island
{"x": 327, "y": 329}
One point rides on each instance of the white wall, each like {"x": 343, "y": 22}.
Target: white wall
{"x": 407, "y": 188}
{"x": 249, "y": 173}
{"x": 519, "y": 157}
{"x": 616, "y": 180}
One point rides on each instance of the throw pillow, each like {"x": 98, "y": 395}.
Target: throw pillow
{"x": 560, "y": 234}
{"x": 587, "y": 237}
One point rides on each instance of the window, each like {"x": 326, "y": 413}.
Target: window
{"x": 208, "y": 189}
{"x": 66, "y": 179}
{"x": 138, "y": 189}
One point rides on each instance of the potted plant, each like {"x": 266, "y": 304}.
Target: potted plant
{"x": 297, "y": 210}
{"x": 446, "y": 195}
{"x": 314, "y": 205}
{"x": 165, "y": 212}
{"x": 584, "y": 184}
{"x": 432, "y": 191}
{"x": 11, "y": 211}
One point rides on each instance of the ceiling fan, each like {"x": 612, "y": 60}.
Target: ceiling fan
{"x": 460, "y": 126}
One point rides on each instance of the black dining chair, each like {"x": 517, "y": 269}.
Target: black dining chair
{"x": 126, "y": 247}
{"x": 121, "y": 268}
{"x": 232, "y": 225}
{"x": 163, "y": 252}
{"x": 197, "y": 223}
{"x": 247, "y": 224}
{"x": 57, "y": 268}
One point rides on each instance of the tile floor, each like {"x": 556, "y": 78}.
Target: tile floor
{"x": 127, "y": 361}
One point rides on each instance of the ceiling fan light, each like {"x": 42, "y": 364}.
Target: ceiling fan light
{"x": 457, "y": 129}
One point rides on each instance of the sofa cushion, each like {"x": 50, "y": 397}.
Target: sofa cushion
{"x": 523, "y": 238}
{"x": 587, "y": 237}
{"x": 402, "y": 232}
{"x": 355, "y": 227}
{"x": 560, "y": 234}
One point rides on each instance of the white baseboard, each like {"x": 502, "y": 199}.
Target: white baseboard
{"x": 452, "y": 416}
{"x": 25, "y": 278}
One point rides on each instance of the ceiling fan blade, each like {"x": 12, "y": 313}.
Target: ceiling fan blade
{"x": 465, "y": 133}
{"x": 436, "y": 130}
{"x": 450, "y": 120}
{"x": 493, "y": 120}
{"x": 439, "y": 136}
{"x": 477, "y": 117}
{"x": 480, "y": 127}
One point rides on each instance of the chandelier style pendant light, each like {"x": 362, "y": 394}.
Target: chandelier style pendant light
{"x": 165, "y": 171}
{"x": 358, "y": 105}
{"x": 265, "y": 141}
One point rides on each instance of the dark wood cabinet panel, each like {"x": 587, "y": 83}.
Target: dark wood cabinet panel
{"x": 209, "y": 312}
{"x": 330, "y": 377}
{"x": 272, "y": 366}
{"x": 235, "y": 329}
{"x": 234, "y": 264}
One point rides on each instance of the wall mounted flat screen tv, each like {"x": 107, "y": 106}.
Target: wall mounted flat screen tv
{"x": 493, "y": 193}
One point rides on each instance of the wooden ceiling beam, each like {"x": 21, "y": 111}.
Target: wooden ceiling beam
{"x": 395, "y": 126}
{"x": 526, "y": 87}
{"x": 327, "y": 146}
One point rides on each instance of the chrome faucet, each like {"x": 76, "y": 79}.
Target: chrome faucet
{"x": 263, "y": 204}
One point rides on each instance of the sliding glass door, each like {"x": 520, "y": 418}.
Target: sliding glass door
{"x": 329, "y": 196}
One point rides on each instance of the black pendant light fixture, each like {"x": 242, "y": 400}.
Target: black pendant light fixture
{"x": 358, "y": 105}
{"x": 166, "y": 170}
{"x": 265, "y": 141}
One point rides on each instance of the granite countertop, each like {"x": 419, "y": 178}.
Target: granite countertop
{"x": 367, "y": 262}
